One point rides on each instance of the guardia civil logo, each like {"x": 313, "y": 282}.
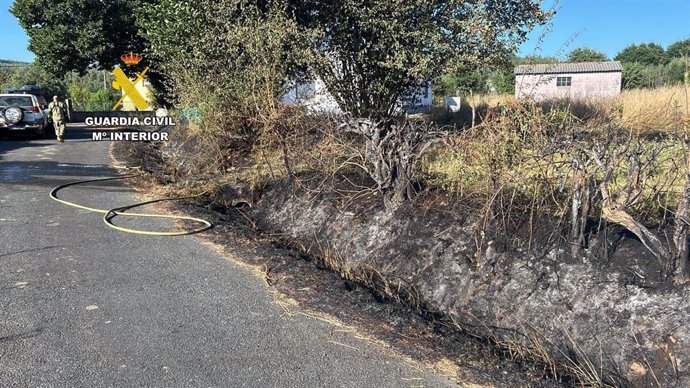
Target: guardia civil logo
{"x": 136, "y": 123}
{"x": 132, "y": 90}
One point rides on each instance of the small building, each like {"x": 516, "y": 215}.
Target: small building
{"x": 568, "y": 80}
{"x": 316, "y": 98}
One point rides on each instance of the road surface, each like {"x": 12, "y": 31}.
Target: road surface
{"x": 83, "y": 305}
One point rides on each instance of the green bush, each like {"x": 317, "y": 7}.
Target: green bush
{"x": 675, "y": 70}
{"x": 231, "y": 62}
{"x": 101, "y": 100}
{"x": 637, "y": 75}
{"x": 79, "y": 95}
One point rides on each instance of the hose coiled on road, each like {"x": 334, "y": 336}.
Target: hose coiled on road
{"x": 109, "y": 214}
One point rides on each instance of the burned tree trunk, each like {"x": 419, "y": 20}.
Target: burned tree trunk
{"x": 615, "y": 207}
{"x": 393, "y": 151}
{"x": 679, "y": 265}
{"x": 580, "y": 205}
{"x": 675, "y": 258}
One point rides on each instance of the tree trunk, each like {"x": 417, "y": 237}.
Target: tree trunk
{"x": 622, "y": 218}
{"x": 576, "y": 232}
{"x": 614, "y": 210}
{"x": 393, "y": 149}
{"x": 679, "y": 266}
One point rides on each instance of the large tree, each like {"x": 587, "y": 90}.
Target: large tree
{"x": 586, "y": 54}
{"x": 676, "y": 69}
{"x": 33, "y": 74}
{"x": 74, "y": 35}
{"x": 371, "y": 54}
{"x": 679, "y": 49}
{"x": 645, "y": 53}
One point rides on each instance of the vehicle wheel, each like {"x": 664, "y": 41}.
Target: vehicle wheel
{"x": 43, "y": 134}
{"x": 14, "y": 114}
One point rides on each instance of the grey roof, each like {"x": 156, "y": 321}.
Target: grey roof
{"x": 580, "y": 67}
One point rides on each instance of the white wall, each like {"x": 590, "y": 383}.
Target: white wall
{"x": 316, "y": 99}
{"x": 313, "y": 96}
{"x": 584, "y": 85}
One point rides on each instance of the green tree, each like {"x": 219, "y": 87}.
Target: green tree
{"x": 586, "y": 54}
{"x": 232, "y": 60}
{"x": 637, "y": 75}
{"x": 534, "y": 60}
{"x": 79, "y": 95}
{"x": 35, "y": 74}
{"x": 74, "y": 35}
{"x": 633, "y": 75}
{"x": 645, "y": 53}
{"x": 462, "y": 80}
{"x": 503, "y": 80}
{"x": 679, "y": 49}
{"x": 5, "y": 77}
{"x": 81, "y": 87}
{"x": 371, "y": 57}
{"x": 101, "y": 100}
{"x": 446, "y": 85}
{"x": 675, "y": 70}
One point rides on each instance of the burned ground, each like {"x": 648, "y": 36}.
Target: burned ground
{"x": 426, "y": 336}
{"x": 423, "y": 279}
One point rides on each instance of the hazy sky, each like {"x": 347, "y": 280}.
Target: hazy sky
{"x": 605, "y": 25}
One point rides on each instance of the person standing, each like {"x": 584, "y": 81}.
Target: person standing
{"x": 58, "y": 113}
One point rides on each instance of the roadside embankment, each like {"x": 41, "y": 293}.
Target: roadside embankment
{"x": 585, "y": 319}
{"x": 579, "y": 316}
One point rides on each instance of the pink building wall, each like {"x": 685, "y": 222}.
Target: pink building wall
{"x": 584, "y": 85}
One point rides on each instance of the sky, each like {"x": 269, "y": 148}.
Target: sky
{"x": 13, "y": 38}
{"x": 604, "y": 25}
{"x": 610, "y": 25}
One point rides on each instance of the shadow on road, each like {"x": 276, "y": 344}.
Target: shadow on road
{"x": 73, "y": 132}
{"x": 32, "y": 250}
{"x": 48, "y": 174}
{"x": 24, "y": 335}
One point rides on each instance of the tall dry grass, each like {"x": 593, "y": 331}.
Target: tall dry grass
{"x": 654, "y": 110}
{"x": 645, "y": 111}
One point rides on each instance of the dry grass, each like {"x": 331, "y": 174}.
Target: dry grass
{"x": 490, "y": 100}
{"x": 507, "y": 147}
{"x": 654, "y": 110}
{"x": 644, "y": 110}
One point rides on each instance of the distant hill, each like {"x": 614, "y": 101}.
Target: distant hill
{"x": 9, "y": 63}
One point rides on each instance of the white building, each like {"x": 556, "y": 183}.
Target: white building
{"x": 316, "y": 99}
{"x": 568, "y": 80}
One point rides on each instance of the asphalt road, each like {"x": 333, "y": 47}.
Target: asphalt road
{"x": 83, "y": 305}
